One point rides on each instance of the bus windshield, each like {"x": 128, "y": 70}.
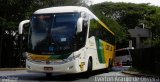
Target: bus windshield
{"x": 53, "y": 33}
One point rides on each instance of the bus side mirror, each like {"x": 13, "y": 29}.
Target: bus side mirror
{"x": 21, "y": 24}
{"x": 79, "y": 25}
{"x": 20, "y": 31}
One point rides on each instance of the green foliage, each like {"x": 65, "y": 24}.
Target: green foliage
{"x": 18, "y": 10}
{"x": 120, "y": 32}
{"x": 37, "y": 4}
{"x": 123, "y": 16}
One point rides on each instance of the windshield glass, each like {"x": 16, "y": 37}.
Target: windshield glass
{"x": 53, "y": 33}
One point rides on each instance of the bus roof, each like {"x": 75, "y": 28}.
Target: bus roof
{"x": 67, "y": 9}
{"x": 61, "y": 9}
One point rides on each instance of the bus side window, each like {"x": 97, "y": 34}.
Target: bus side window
{"x": 111, "y": 48}
{"x": 107, "y": 47}
{"x": 81, "y": 37}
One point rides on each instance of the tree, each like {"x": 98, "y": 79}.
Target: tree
{"x": 37, "y": 4}
{"x": 155, "y": 21}
{"x": 120, "y": 32}
{"x": 128, "y": 16}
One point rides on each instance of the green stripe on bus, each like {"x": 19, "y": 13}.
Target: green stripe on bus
{"x": 62, "y": 56}
{"x": 100, "y": 51}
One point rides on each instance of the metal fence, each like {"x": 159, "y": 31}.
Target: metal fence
{"x": 147, "y": 59}
{"x": 9, "y": 51}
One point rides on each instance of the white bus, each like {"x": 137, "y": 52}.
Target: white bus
{"x": 67, "y": 39}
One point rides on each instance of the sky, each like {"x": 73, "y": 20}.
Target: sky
{"x": 152, "y": 2}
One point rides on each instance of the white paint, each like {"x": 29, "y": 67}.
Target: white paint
{"x": 61, "y": 9}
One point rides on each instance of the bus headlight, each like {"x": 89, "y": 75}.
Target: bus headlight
{"x": 71, "y": 58}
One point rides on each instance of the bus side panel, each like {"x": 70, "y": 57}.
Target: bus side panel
{"x": 100, "y": 50}
{"x": 104, "y": 54}
{"x": 108, "y": 53}
{"x": 92, "y": 51}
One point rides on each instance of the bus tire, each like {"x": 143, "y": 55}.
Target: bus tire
{"x": 110, "y": 64}
{"x": 48, "y": 75}
{"x": 89, "y": 68}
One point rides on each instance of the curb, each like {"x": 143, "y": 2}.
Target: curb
{"x": 137, "y": 74}
{"x": 11, "y": 69}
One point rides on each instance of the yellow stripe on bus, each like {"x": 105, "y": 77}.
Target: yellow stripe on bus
{"x": 39, "y": 57}
{"x": 105, "y": 26}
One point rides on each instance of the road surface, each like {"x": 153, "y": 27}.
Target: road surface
{"x": 97, "y": 76}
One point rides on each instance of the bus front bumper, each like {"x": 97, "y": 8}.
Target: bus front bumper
{"x": 68, "y": 67}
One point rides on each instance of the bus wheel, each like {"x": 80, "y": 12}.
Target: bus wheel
{"x": 109, "y": 68}
{"x": 48, "y": 75}
{"x": 89, "y": 69}
{"x": 110, "y": 64}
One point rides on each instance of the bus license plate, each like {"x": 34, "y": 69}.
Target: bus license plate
{"x": 48, "y": 68}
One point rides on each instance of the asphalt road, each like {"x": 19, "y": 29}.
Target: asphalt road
{"x": 96, "y": 76}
